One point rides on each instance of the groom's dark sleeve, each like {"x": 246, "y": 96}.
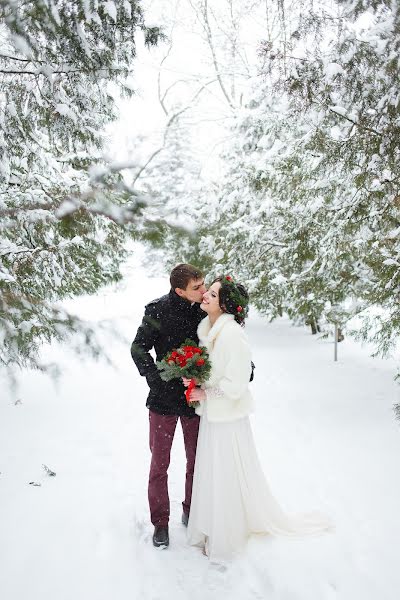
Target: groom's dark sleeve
{"x": 146, "y": 337}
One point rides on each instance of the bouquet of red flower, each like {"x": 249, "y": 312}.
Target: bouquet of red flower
{"x": 188, "y": 361}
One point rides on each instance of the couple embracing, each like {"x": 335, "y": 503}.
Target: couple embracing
{"x": 227, "y": 497}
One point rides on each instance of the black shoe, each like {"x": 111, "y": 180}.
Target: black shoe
{"x": 185, "y": 519}
{"x": 160, "y": 536}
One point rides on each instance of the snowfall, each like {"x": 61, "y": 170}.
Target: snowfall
{"x": 326, "y": 435}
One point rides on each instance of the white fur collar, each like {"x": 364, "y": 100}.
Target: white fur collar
{"x": 207, "y": 334}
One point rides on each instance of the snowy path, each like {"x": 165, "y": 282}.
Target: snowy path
{"x": 326, "y": 436}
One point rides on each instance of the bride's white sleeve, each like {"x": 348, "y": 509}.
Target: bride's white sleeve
{"x": 234, "y": 379}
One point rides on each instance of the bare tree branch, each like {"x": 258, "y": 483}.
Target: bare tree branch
{"x": 162, "y": 98}
{"x": 168, "y": 125}
{"x": 209, "y": 36}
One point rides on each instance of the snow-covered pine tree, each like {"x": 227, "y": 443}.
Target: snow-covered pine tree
{"x": 346, "y": 86}
{"x": 174, "y": 178}
{"x": 311, "y": 217}
{"x": 275, "y": 228}
{"x": 61, "y": 64}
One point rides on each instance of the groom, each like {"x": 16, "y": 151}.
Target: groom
{"x": 167, "y": 322}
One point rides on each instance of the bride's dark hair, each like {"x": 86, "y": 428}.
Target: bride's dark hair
{"x": 233, "y": 298}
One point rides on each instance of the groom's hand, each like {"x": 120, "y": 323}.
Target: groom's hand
{"x": 158, "y": 385}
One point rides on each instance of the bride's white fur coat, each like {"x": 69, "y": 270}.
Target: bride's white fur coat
{"x": 227, "y": 391}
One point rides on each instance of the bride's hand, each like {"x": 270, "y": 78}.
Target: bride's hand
{"x": 197, "y": 395}
{"x": 187, "y": 381}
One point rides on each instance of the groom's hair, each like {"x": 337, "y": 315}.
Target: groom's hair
{"x": 182, "y": 274}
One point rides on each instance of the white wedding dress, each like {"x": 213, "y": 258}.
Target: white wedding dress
{"x": 231, "y": 498}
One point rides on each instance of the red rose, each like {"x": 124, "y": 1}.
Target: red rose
{"x": 200, "y": 362}
{"x": 239, "y": 309}
{"x": 197, "y": 351}
{"x": 189, "y": 354}
{"x": 228, "y": 278}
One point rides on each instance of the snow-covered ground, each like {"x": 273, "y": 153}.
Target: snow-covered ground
{"x": 327, "y": 439}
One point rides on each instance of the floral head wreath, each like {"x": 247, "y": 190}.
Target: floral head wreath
{"x": 239, "y": 300}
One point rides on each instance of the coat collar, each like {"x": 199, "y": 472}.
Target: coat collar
{"x": 182, "y": 304}
{"x": 207, "y": 334}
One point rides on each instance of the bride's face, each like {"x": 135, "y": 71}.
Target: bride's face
{"x": 210, "y": 302}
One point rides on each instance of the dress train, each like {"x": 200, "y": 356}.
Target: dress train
{"x": 231, "y": 498}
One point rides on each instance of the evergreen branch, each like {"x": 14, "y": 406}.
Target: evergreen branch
{"x": 69, "y": 71}
{"x": 26, "y": 60}
{"x": 15, "y": 211}
{"x": 270, "y": 243}
{"x": 356, "y": 123}
{"x": 125, "y": 214}
{"x": 33, "y": 251}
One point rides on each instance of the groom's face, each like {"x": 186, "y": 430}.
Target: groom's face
{"x": 194, "y": 291}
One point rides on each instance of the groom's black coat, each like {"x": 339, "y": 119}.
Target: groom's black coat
{"x": 166, "y": 324}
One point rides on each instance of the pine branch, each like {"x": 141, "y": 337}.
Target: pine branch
{"x": 69, "y": 206}
{"x": 72, "y": 71}
{"x": 356, "y": 123}
{"x": 31, "y": 251}
{"x": 26, "y": 60}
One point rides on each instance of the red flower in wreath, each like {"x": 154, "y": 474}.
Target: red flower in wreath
{"x": 200, "y": 362}
{"x": 239, "y": 309}
{"x": 228, "y": 278}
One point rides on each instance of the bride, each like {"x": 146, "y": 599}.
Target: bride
{"x": 231, "y": 498}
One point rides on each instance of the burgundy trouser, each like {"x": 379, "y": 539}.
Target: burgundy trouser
{"x": 162, "y": 429}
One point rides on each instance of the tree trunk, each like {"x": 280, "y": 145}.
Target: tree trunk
{"x": 313, "y": 323}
